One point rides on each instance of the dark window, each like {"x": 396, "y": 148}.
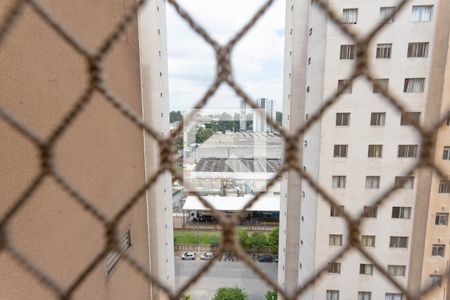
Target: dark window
{"x": 342, "y": 119}
{"x": 407, "y": 117}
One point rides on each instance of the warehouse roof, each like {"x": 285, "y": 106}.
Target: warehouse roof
{"x": 265, "y": 203}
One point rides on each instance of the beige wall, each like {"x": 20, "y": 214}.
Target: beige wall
{"x": 440, "y": 105}
{"x": 101, "y": 154}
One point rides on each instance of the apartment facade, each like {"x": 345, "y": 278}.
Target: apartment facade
{"x": 362, "y": 146}
{"x": 102, "y": 154}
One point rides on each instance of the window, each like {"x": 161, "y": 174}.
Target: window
{"x": 438, "y": 250}
{"x": 393, "y": 296}
{"x": 375, "y": 151}
{"x": 414, "y": 85}
{"x": 385, "y": 12}
{"x": 396, "y": 270}
{"x": 350, "y": 16}
{"x": 384, "y": 51}
{"x": 334, "y": 212}
{"x": 332, "y": 295}
{"x": 400, "y": 212}
{"x": 441, "y": 219}
{"x": 377, "y": 119}
{"x": 364, "y": 295}
{"x": 408, "y": 117}
{"x": 448, "y": 119}
{"x": 368, "y": 241}
{"x": 334, "y": 268}
{"x": 339, "y": 182}
{"x": 348, "y": 52}
{"x": 407, "y": 150}
{"x": 418, "y": 49}
{"x": 366, "y": 269}
{"x": 398, "y": 242}
{"x": 421, "y": 13}
{"x": 372, "y": 182}
{"x": 444, "y": 187}
{"x": 340, "y": 150}
{"x": 446, "y": 155}
{"x": 342, "y": 83}
{"x": 342, "y": 119}
{"x": 335, "y": 240}
{"x": 435, "y": 280}
{"x": 113, "y": 257}
{"x": 404, "y": 182}
{"x": 383, "y": 83}
{"x": 370, "y": 212}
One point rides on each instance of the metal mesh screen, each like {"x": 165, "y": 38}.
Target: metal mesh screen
{"x": 167, "y": 162}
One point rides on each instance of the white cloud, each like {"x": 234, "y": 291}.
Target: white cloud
{"x": 257, "y": 59}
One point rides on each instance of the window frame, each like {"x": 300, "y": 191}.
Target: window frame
{"x": 402, "y": 182}
{"x": 406, "y": 117}
{"x": 438, "y": 250}
{"x": 412, "y": 82}
{"x": 444, "y": 187}
{"x": 416, "y": 48}
{"x": 334, "y": 212}
{"x": 395, "y": 269}
{"x": 441, "y": 216}
{"x": 334, "y": 268}
{"x": 372, "y": 179}
{"x": 398, "y": 242}
{"x": 370, "y": 212}
{"x": 341, "y": 83}
{"x": 376, "y": 150}
{"x": 368, "y": 238}
{"x": 383, "y": 51}
{"x": 344, "y": 17}
{"x": 364, "y": 267}
{"x": 384, "y": 82}
{"x": 386, "y": 11}
{"x": 339, "y": 180}
{"x": 347, "y": 52}
{"x": 446, "y": 153}
{"x": 364, "y": 295}
{"x": 398, "y": 212}
{"x": 407, "y": 151}
{"x": 339, "y": 149}
{"x": 378, "y": 119}
{"x": 341, "y": 117}
{"x": 335, "y": 237}
{"x": 421, "y": 20}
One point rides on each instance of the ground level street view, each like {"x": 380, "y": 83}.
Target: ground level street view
{"x": 222, "y": 274}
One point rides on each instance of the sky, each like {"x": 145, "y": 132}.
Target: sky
{"x": 257, "y": 59}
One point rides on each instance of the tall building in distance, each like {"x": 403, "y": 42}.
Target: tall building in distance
{"x": 362, "y": 145}
{"x": 243, "y": 117}
{"x": 259, "y": 122}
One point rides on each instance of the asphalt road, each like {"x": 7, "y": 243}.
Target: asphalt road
{"x": 223, "y": 274}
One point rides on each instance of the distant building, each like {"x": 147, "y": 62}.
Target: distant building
{"x": 260, "y": 122}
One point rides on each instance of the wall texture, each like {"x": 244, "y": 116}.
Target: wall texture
{"x": 101, "y": 154}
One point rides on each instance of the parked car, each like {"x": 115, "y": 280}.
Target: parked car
{"x": 265, "y": 258}
{"x": 188, "y": 256}
{"x": 275, "y": 258}
{"x": 206, "y": 256}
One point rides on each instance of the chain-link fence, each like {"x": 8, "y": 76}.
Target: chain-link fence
{"x": 224, "y": 75}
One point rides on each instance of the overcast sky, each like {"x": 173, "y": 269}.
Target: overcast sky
{"x": 257, "y": 58}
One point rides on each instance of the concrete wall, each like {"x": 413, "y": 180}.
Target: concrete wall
{"x": 101, "y": 154}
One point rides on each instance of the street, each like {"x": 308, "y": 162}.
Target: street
{"x": 230, "y": 274}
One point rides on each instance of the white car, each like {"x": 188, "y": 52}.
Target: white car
{"x": 206, "y": 256}
{"x": 188, "y": 256}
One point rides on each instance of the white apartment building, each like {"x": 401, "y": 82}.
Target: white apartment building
{"x": 360, "y": 147}
{"x": 259, "y": 122}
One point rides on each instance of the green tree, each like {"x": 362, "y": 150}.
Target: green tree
{"x": 244, "y": 239}
{"x": 227, "y": 293}
{"x": 258, "y": 240}
{"x": 272, "y": 239}
{"x": 203, "y": 134}
{"x": 271, "y": 295}
{"x": 175, "y": 116}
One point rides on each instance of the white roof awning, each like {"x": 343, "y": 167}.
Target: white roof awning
{"x": 265, "y": 203}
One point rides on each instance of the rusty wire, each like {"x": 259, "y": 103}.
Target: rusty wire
{"x": 97, "y": 83}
